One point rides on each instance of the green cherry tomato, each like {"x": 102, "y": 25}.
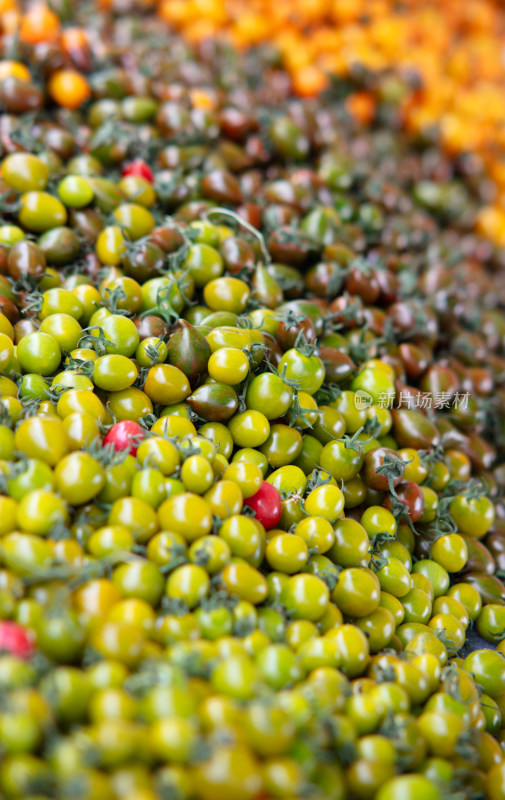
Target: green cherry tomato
{"x": 75, "y": 191}
{"x": 305, "y": 597}
{"x": 226, "y": 294}
{"x": 282, "y": 446}
{"x": 204, "y": 264}
{"x": 39, "y": 352}
{"x": 79, "y": 478}
{"x": 269, "y": 394}
{"x": 473, "y": 517}
{"x": 487, "y": 669}
{"x": 41, "y": 211}
{"x": 114, "y": 372}
{"x": 307, "y": 370}
{"x": 357, "y": 592}
{"x": 24, "y": 172}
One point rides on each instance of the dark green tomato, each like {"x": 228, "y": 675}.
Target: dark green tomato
{"x": 188, "y": 350}
{"x": 33, "y": 387}
{"x": 436, "y": 574}
{"x": 61, "y": 636}
{"x": 288, "y": 140}
{"x": 340, "y": 460}
{"x": 68, "y": 691}
{"x": 309, "y": 456}
{"x": 107, "y": 195}
{"x": 118, "y": 480}
{"x": 272, "y": 623}
{"x": 282, "y": 446}
{"x": 351, "y": 544}
{"x": 491, "y": 713}
{"x": 196, "y": 314}
{"x": 354, "y": 491}
{"x": 413, "y": 429}
{"x": 329, "y": 425}
{"x": 59, "y": 245}
{"x": 215, "y": 402}
{"x": 107, "y": 151}
{"x": 20, "y": 772}
{"x": 269, "y": 394}
{"x": 289, "y": 278}
{"x": 491, "y": 622}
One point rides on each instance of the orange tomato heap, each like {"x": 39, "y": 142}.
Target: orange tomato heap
{"x": 252, "y": 404}
{"x": 456, "y": 47}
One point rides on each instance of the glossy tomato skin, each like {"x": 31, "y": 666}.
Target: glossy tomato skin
{"x": 267, "y": 505}
{"x": 125, "y": 435}
{"x": 140, "y": 169}
{"x": 15, "y": 640}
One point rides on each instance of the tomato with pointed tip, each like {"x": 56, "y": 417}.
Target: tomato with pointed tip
{"x": 267, "y": 505}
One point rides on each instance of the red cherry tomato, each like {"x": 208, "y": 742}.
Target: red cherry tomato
{"x": 125, "y": 435}
{"x": 267, "y": 505}
{"x": 140, "y": 169}
{"x": 15, "y": 640}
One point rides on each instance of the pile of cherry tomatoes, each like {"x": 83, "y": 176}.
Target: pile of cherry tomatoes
{"x": 252, "y": 435}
